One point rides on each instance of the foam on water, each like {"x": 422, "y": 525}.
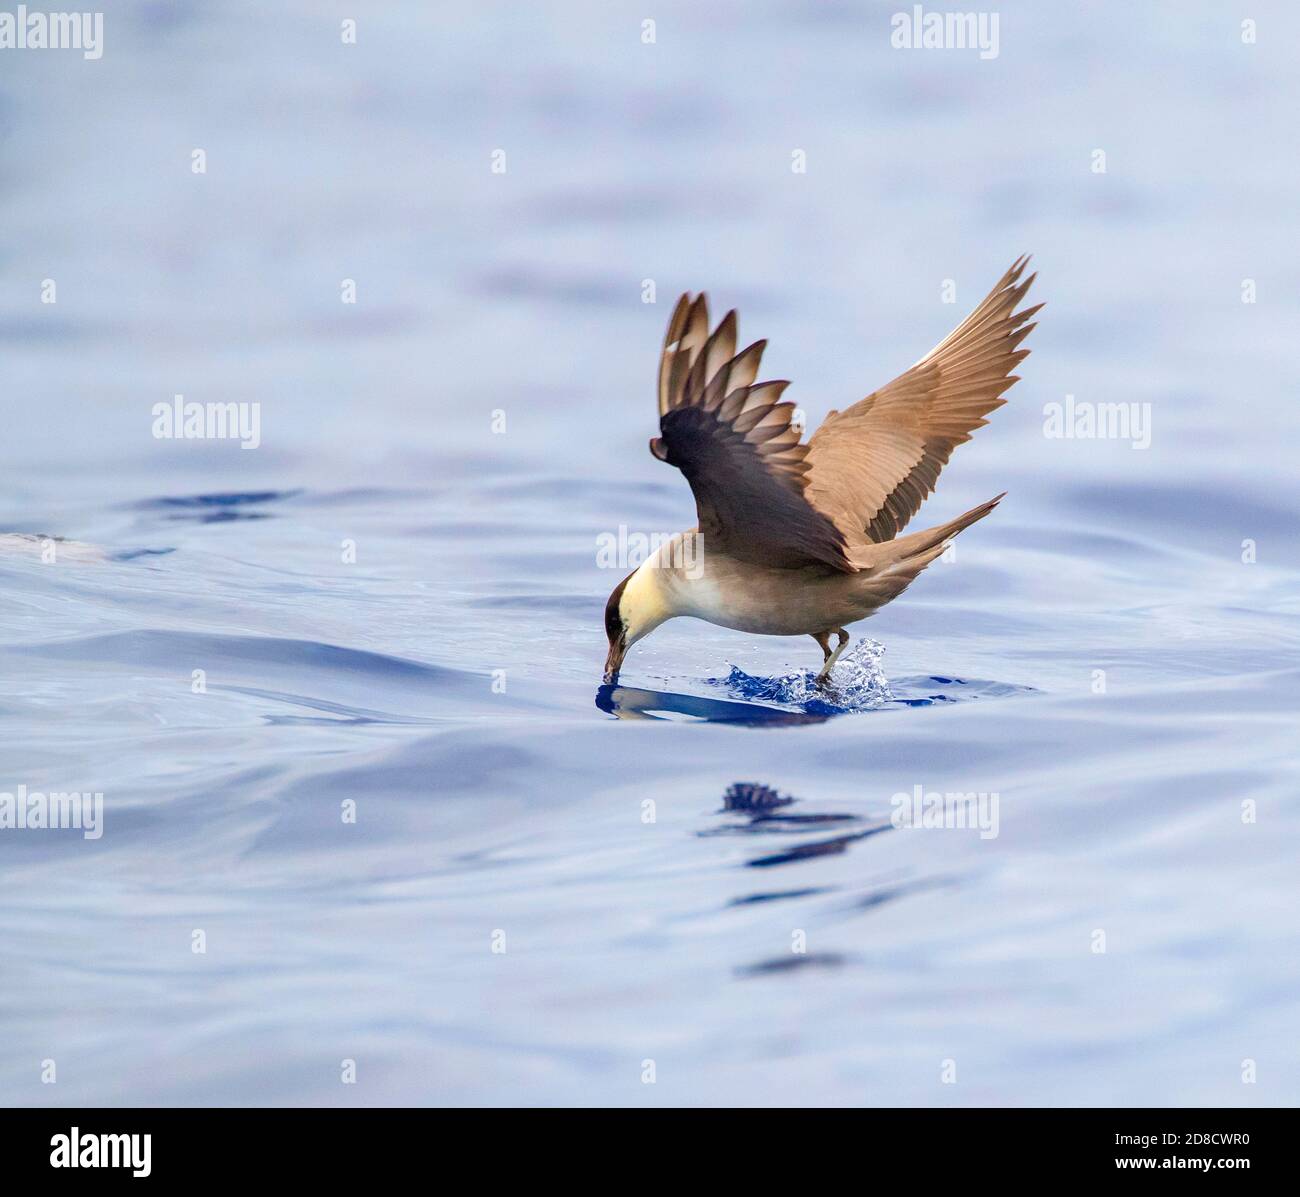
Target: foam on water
{"x": 857, "y": 683}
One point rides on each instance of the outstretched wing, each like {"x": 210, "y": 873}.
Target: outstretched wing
{"x": 873, "y": 464}
{"x": 733, "y": 440}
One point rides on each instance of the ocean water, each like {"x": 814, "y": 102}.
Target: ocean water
{"x": 341, "y": 692}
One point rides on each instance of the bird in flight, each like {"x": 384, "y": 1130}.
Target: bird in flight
{"x": 802, "y": 539}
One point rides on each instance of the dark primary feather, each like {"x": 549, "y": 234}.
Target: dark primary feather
{"x": 732, "y": 439}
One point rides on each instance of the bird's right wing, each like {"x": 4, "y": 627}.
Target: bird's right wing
{"x": 733, "y": 440}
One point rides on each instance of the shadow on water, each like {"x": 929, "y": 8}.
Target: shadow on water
{"x": 628, "y": 702}
{"x": 216, "y": 508}
{"x": 763, "y": 810}
{"x": 766, "y": 813}
{"x": 749, "y": 701}
{"x": 792, "y": 963}
{"x": 761, "y": 803}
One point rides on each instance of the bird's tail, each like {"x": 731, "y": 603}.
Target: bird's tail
{"x": 897, "y": 562}
{"x": 932, "y": 541}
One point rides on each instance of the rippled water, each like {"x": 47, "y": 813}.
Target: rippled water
{"x": 391, "y": 611}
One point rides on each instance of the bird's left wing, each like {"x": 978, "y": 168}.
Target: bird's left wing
{"x": 871, "y": 465}
{"x": 733, "y": 440}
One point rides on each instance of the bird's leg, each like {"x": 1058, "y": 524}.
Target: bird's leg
{"x": 831, "y": 657}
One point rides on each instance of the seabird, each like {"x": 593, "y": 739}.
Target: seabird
{"x": 802, "y": 539}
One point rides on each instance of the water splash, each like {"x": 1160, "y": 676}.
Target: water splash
{"x": 857, "y": 683}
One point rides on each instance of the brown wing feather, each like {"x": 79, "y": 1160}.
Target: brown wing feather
{"x": 873, "y": 464}
{"x": 732, "y": 439}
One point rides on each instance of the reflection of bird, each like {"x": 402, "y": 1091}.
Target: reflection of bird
{"x": 801, "y": 539}
{"x": 753, "y": 797}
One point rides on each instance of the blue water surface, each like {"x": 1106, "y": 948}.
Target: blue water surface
{"x": 341, "y": 692}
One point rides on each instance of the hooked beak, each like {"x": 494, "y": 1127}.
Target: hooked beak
{"x": 614, "y": 662}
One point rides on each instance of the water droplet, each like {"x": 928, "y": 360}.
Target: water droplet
{"x": 857, "y": 683}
